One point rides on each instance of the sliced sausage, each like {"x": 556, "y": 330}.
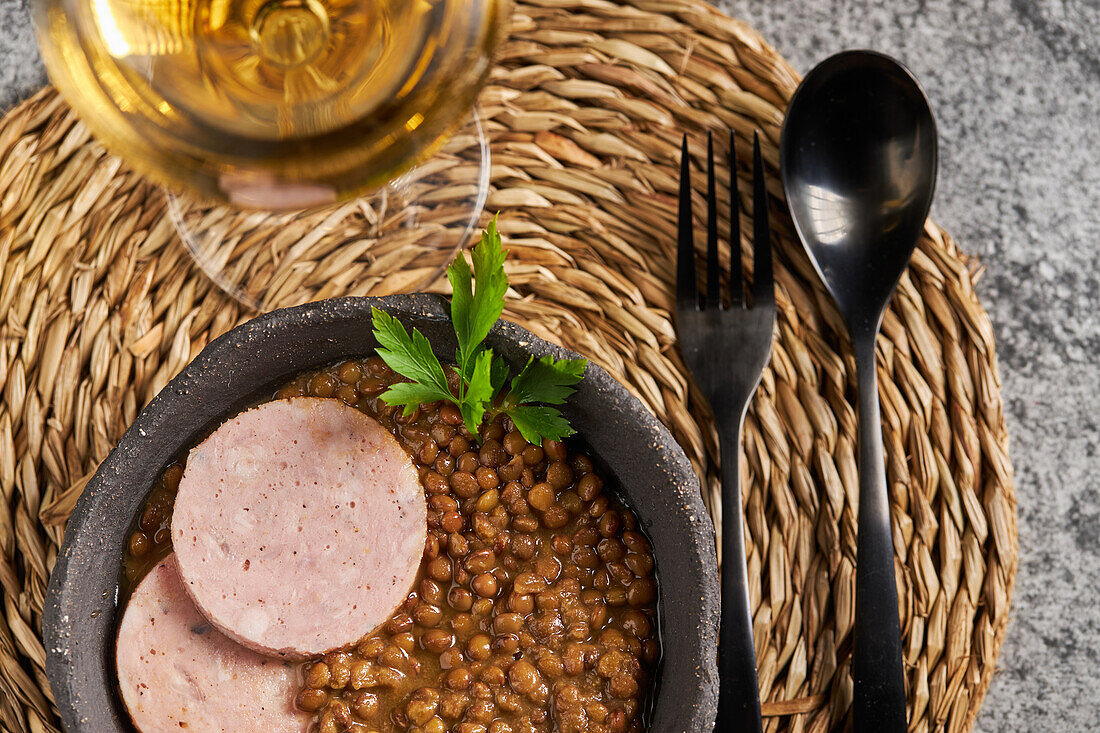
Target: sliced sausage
{"x": 176, "y": 672}
{"x": 299, "y": 526}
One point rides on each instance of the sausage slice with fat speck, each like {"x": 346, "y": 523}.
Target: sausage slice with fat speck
{"x": 299, "y": 526}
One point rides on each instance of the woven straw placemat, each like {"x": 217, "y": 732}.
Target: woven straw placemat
{"x": 101, "y": 306}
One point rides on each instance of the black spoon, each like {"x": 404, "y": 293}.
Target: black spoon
{"x": 858, "y": 157}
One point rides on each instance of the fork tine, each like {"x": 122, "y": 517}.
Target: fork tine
{"x": 737, "y": 297}
{"x": 763, "y": 289}
{"x": 713, "y": 298}
{"x": 685, "y": 244}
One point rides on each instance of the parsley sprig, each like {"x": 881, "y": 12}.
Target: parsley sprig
{"x": 476, "y": 304}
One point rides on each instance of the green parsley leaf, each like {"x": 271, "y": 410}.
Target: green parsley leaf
{"x": 411, "y": 395}
{"x": 462, "y": 303}
{"x": 479, "y": 391}
{"x": 498, "y": 373}
{"x": 476, "y": 305}
{"x": 547, "y": 380}
{"x": 409, "y": 356}
{"x": 536, "y": 422}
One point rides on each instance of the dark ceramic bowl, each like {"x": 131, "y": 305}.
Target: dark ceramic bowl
{"x": 635, "y": 449}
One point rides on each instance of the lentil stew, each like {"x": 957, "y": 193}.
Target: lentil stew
{"x": 535, "y": 606}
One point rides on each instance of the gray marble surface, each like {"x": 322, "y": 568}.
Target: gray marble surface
{"x": 1015, "y": 86}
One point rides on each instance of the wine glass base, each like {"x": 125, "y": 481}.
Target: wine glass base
{"x": 269, "y": 260}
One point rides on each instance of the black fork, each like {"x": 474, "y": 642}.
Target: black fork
{"x": 727, "y": 348}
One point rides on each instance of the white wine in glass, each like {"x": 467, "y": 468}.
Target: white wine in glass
{"x": 270, "y": 104}
{"x": 288, "y": 133}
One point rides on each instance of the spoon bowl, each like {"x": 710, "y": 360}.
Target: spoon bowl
{"x": 858, "y": 155}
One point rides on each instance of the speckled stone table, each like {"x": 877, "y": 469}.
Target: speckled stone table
{"x": 1015, "y": 85}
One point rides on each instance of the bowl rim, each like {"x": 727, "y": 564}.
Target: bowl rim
{"x": 66, "y": 614}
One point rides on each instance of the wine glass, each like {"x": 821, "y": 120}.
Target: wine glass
{"x": 269, "y": 121}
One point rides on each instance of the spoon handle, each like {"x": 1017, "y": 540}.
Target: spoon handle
{"x": 879, "y": 685}
{"x": 738, "y": 690}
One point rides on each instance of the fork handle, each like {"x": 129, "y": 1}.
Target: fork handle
{"x": 878, "y": 703}
{"x": 739, "y": 693}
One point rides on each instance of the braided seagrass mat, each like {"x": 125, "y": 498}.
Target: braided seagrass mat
{"x": 584, "y": 112}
